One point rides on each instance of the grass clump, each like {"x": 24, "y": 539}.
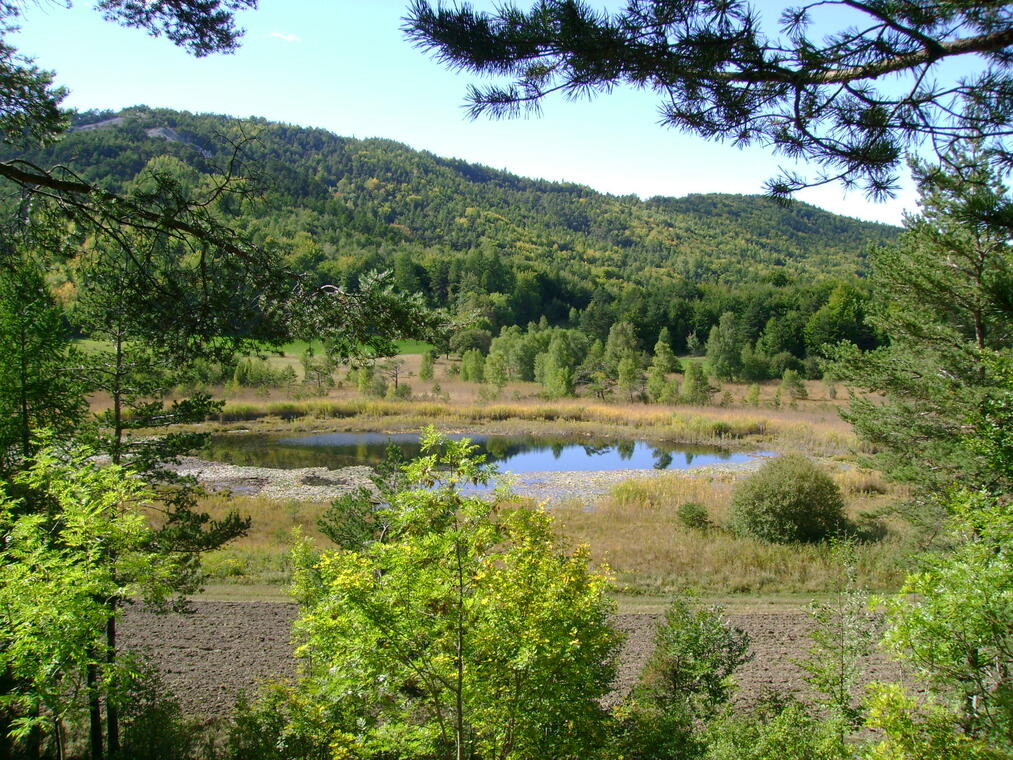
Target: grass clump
{"x": 789, "y": 500}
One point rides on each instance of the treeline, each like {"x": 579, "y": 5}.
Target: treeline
{"x": 749, "y": 334}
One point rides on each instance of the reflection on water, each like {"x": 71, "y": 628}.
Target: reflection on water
{"x": 519, "y": 454}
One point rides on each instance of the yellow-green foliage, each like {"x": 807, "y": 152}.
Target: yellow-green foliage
{"x": 518, "y": 646}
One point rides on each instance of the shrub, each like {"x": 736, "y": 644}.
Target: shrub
{"x": 693, "y": 516}
{"x": 789, "y": 499}
{"x": 696, "y": 651}
{"x": 786, "y": 731}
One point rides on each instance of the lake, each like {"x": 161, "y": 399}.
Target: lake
{"x": 513, "y": 453}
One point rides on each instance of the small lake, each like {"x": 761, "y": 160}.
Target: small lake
{"x": 515, "y": 453}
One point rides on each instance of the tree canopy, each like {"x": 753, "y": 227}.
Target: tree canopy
{"x": 852, "y": 100}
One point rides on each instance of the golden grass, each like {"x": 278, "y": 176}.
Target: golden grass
{"x": 819, "y": 433}
{"x": 262, "y": 555}
{"x": 636, "y": 531}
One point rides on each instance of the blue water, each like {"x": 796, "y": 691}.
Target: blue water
{"x": 517, "y": 454}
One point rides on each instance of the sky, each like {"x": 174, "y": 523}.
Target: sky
{"x": 345, "y": 66}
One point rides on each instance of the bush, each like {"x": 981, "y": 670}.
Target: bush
{"x": 693, "y": 516}
{"x": 777, "y": 731}
{"x": 696, "y": 651}
{"x": 789, "y": 499}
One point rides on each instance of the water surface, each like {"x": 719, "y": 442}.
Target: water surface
{"x": 515, "y": 453}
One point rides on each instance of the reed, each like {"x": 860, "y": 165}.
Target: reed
{"x": 635, "y": 530}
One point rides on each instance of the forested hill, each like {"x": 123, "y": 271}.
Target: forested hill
{"x": 363, "y": 193}
{"x": 482, "y": 241}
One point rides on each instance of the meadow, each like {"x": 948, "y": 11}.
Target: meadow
{"x": 635, "y": 530}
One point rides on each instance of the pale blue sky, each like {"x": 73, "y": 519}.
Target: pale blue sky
{"x": 344, "y": 65}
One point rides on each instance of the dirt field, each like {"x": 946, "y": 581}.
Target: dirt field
{"x": 207, "y": 658}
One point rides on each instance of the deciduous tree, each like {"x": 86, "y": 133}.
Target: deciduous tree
{"x": 466, "y": 632}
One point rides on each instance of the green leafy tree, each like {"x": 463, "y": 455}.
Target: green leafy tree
{"x": 951, "y": 620}
{"x": 753, "y": 395}
{"x": 722, "y": 74}
{"x": 724, "y": 348}
{"x": 630, "y": 378}
{"x": 663, "y": 356}
{"x": 426, "y": 367}
{"x": 61, "y": 569}
{"x": 466, "y": 632}
{"x": 844, "y": 631}
{"x": 695, "y": 388}
{"x": 792, "y": 385}
{"x": 842, "y": 317}
{"x": 754, "y": 366}
{"x": 696, "y": 652}
{"x": 622, "y": 343}
{"x": 593, "y": 372}
{"x": 40, "y": 386}
{"x": 663, "y": 363}
{"x": 473, "y": 338}
{"x": 495, "y": 371}
{"x": 472, "y": 366}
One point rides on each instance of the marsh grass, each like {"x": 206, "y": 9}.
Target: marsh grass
{"x": 819, "y": 433}
{"x": 636, "y": 531}
{"x": 262, "y": 555}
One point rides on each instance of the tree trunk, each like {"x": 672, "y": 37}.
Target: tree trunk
{"x": 94, "y": 712}
{"x": 112, "y": 713}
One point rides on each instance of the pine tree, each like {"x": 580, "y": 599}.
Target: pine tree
{"x": 721, "y": 73}
{"x": 941, "y": 295}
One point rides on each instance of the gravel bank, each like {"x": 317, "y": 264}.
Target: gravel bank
{"x": 319, "y": 484}
{"x": 316, "y": 484}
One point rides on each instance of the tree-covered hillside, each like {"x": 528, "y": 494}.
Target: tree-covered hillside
{"x": 341, "y": 190}
{"x": 485, "y": 242}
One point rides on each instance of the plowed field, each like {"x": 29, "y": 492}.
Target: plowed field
{"x": 208, "y": 657}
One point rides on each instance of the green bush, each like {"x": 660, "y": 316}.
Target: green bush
{"x": 693, "y": 516}
{"x": 790, "y": 499}
{"x": 696, "y": 651}
{"x": 778, "y": 730}
{"x": 279, "y": 725}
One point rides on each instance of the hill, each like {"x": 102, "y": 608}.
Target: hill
{"x": 465, "y": 233}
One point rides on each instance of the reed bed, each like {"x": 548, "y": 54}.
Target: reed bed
{"x": 820, "y": 433}
{"x": 635, "y": 530}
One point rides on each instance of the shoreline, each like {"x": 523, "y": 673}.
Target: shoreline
{"x": 320, "y": 484}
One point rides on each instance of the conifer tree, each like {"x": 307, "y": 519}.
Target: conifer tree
{"x": 942, "y": 296}
{"x": 39, "y": 385}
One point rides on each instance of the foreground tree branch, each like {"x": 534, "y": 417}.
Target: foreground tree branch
{"x": 853, "y": 102}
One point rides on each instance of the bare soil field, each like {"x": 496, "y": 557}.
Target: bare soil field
{"x": 206, "y": 658}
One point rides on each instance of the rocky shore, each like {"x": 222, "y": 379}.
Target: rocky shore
{"x": 319, "y": 484}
